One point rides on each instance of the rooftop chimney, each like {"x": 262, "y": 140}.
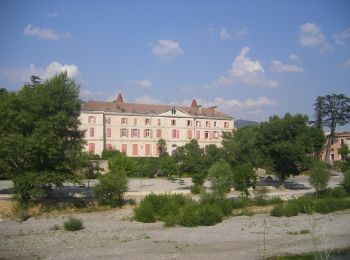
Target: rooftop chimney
{"x": 214, "y": 109}
{"x": 120, "y": 98}
{"x": 194, "y": 103}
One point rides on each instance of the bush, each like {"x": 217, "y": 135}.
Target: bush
{"x": 244, "y": 177}
{"x": 145, "y": 213}
{"x": 240, "y": 202}
{"x": 188, "y": 216}
{"x": 346, "y": 182}
{"x": 337, "y": 192}
{"x": 111, "y": 189}
{"x": 328, "y": 205}
{"x": 305, "y": 204}
{"x": 319, "y": 176}
{"x": 209, "y": 215}
{"x": 219, "y": 200}
{"x": 121, "y": 163}
{"x": 196, "y": 189}
{"x": 220, "y": 176}
{"x": 73, "y": 224}
{"x": 288, "y": 209}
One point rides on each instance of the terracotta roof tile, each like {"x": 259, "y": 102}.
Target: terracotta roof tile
{"x": 152, "y": 109}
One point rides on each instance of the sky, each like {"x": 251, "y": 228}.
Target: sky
{"x": 252, "y": 59}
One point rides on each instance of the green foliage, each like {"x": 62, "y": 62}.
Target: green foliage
{"x": 177, "y": 209}
{"x": 73, "y": 224}
{"x": 162, "y": 148}
{"x": 337, "y": 192}
{"x": 328, "y": 205}
{"x": 285, "y": 209}
{"x": 149, "y": 166}
{"x": 111, "y": 188}
{"x": 244, "y": 177}
{"x": 91, "y": 170}
{"x": 107, "y": 154}
{"x": 221, "y": 177}
{"x": 346, "y": 181}
{"x": 191, "y": 160}
{"x": 120, "y": 162}
{"x": 319, "y": 176}
{"x": 196, "y": 189}
{"x": 169, "y": 167}
{"x": 40, "y": 136}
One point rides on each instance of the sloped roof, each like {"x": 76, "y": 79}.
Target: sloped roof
{"x": 150, "y": 109}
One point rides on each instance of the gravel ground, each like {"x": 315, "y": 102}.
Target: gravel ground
{"x": 111, "y": 235}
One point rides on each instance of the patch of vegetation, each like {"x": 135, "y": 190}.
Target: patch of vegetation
{"x": 73, "y": 224}
{"x": 176, "y": 209}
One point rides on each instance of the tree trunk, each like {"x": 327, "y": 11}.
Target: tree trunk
{"x": 328, "y": 151}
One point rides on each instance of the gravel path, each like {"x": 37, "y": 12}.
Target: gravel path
{"x": 111, "y": 235}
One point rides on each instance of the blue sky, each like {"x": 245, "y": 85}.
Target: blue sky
{"x": 253, "y": 59}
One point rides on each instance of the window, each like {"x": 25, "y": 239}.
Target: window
{"x": 158, "y": 121}
{"x": 207, "y": 124}
{"x": 135, "y": 121}
{"x": 148, "y": 133}
{"x": 92, "y": 148}
{"x": 135, "y": 149}
{"x": 124, "y": 120}
{"x": 109, "y": 147}
{"x": 108, "y": 120}
{"x": 92, "y": 119}
{"x": 332, "y": 157}
{"x": 124, "y": 148}
{"x": 148, "y": 149}
{"x": 159, "y": 133}
{"x": 216, "y": 135}
{"x": 198, "y": 124}
{"x": 135, "y": 133}
{"x": 341, "y": 141}
{"x": 173, "y": 122}
{"x": 206, "y": 135}
{"x": 175, "y": 133}
{"x": 173, "y": 112}
{"x": 226, "y": 125}
{"x": 109, "y": 132}
{"x": 215, "y": 124}
{"x": 92, "y": 132}
{"x": 189, "y": 123}
{"x": 189, "y": 134}
{"x": 198, "y": 135}
{"x": 147, "y": 121}
{"x": 123, "y": 132}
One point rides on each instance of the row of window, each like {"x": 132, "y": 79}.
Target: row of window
{"x": 147, "y": 121}
{"x": 124, "y": 149}
{"x": 148, "y": 133}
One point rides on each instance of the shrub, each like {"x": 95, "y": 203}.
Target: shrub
{"x": 288, "y": 209}
{"x": 337, "y": 192}
{"x": 111, "y": 189}
{"x": 73, "y": 224}
{"x": 188, "y": 216}
{"x": 220, "y": 176}
{"x": 261, "y": 195}
{"x": 219, "y": 200}
{"x": 328, "y": 205}
{"x": 169, "y": 167}
{"x": 145, "y": 213}
{"x": 209, "y": 214}
{"x": 319, "y": 176}
{"x": 240, "y": 202}
{"x": 196, "y": 189}
{"x": 346, "y": 182}
{"x": 244, "y": 177}
{"x": 121, "y": 163}
{"x": 305, "y": 204}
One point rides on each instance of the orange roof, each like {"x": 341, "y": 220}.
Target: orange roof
{"x": 150, "y": 109}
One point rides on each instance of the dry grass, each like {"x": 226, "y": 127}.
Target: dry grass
{"x": 6, "y": 208}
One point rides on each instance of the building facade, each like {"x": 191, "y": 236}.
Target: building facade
{"x": 135, "y": 129}
{"x": 338, "y": 140}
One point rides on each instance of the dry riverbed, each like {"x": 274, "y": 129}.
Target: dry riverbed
{"x": 112, "y": 235}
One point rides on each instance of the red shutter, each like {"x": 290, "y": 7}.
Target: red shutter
{"x": 148, "y": 149}
{"x": 159, "y": 133}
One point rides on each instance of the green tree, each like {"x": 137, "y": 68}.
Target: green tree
{"x": 332, "y": 111}
{"x": 211, "y": 155}
{"x": 191, "y": 160}
{"x": 286, "y": 145}
{"x": 120, "y": 162}
{"x": 162, "y": 148}
{"x": 169, "y": 167}
{"x": 344, "y": 151}
{"x": 92, "y": 170}
{"x": 319, "y": 176}
{"x": 40, "y": 137}
{"x": 221, "y": 177}
{"x": 244, "y": 177}
{"x": 111, "y": 188}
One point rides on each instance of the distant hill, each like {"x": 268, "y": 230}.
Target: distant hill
{"x": 241, "y": 123}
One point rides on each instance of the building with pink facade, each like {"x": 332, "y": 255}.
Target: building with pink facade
{"x": 135, "y": 129}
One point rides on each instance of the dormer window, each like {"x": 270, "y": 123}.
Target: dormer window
{"x": 173, "y": 111}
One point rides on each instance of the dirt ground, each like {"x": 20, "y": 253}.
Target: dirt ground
{"x": 112, "y": 235}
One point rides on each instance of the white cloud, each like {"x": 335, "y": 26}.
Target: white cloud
{"x": 246, "y": 71}
{"x": 294, "y": 57}
{"x": 240, "y": 33}
{"x": 22, "y": 75}
{"x": 278, "y": 66}
{"x": 341, "y": 38}
{"x": 141, "y": 83}
{"x": 167, "y": 50}
{"x": 147, "y": 100}
{"x": 310, "y": 35}
{"x": 43, "y": 33}
{"x": 224, "y": 34}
